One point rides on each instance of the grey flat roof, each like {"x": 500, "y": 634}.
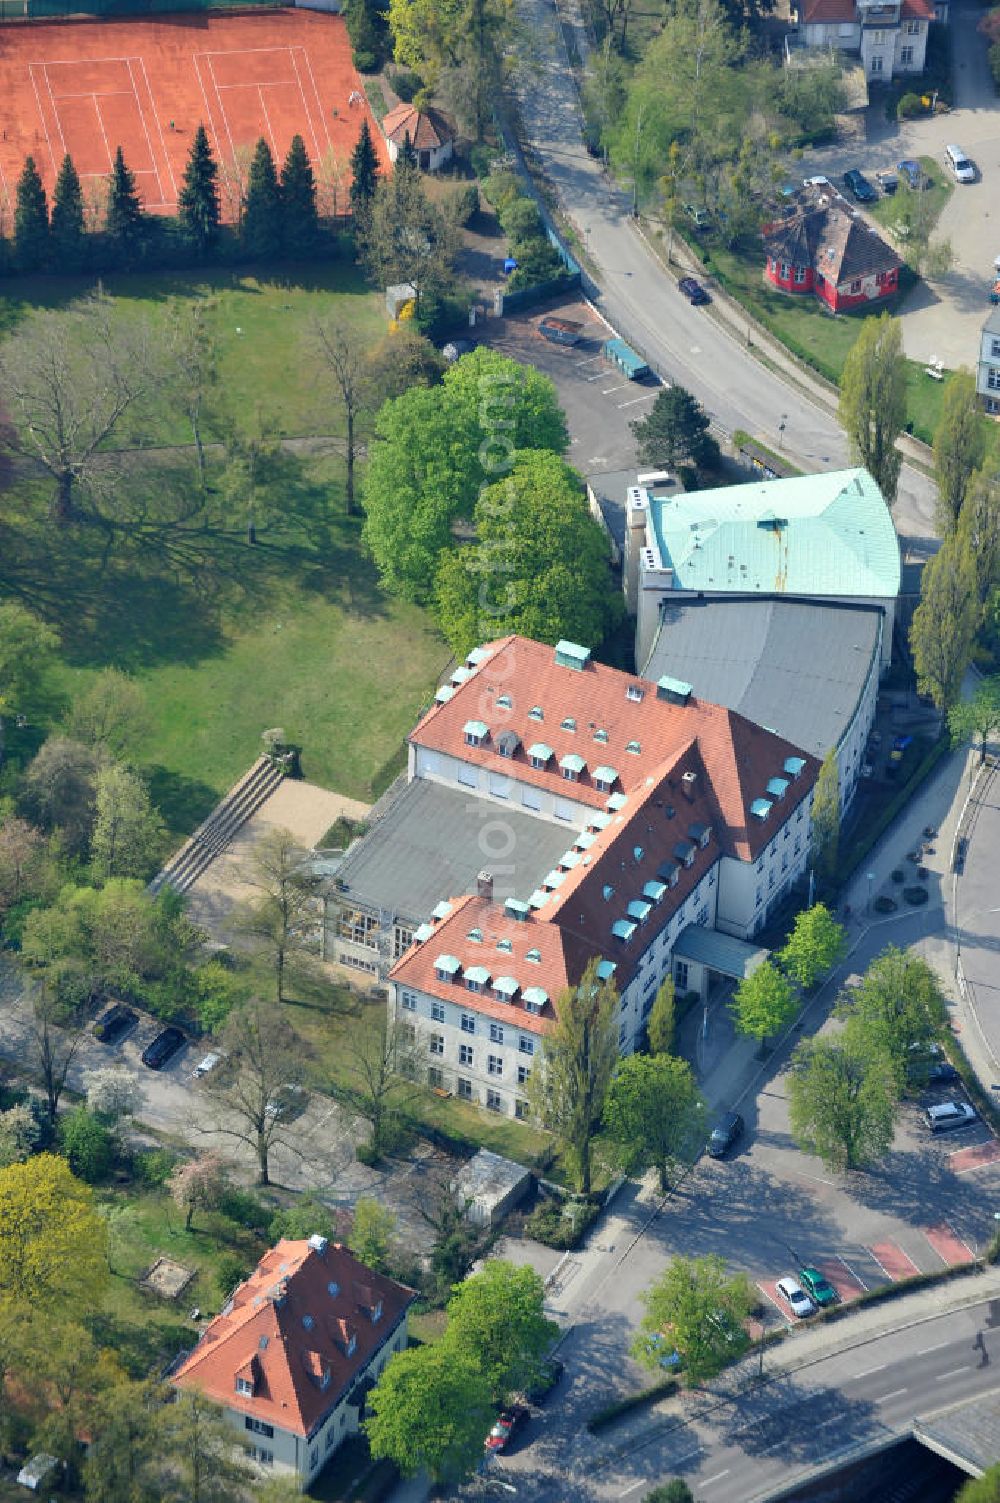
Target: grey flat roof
{"x": 611, "y": 489}
{"x": 795, "y": 667}
{"x": 432, "y": 842}
{"x": 721, "y": 952}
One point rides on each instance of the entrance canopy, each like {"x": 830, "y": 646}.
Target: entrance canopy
{"x": 719, "y": 952}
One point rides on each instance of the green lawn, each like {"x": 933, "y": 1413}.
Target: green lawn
{"x": 891, "y": 210}
{"x": 229, "y": 640}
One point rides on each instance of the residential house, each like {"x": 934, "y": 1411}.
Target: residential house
{"x": 889, "y": 36}
{"x": 825, "y": 248}
{"x": 430, "y": 133}
{"x": 294, "y": 1353}
{"x": 988, "y": 368}
{"x": 682, "y": 826}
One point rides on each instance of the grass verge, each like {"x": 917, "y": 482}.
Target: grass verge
{"x": 609, "y": 1414}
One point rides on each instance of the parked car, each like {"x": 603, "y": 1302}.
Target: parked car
{"x": 287, "y": 1103}
{"x": 509, "y": 1421}
{"x": 549, "y": 1374}
{"x": 950, "y": 1114}
{"x": 819, "y": 1289}
{"x": 693, "y": 291}
{"x": 724, "y": 1134}
{"x": 913, "y": 175}
{"x": 961, "y": 851}
{"x": 856, "y": 183}
{"x": 163, "y": 1048}
{"x": 700, "y": 218}
{"x": 795, "y": 1297}
{"x": 958, "y": 163}
{"x": 887, "y": 181}
{"x": 113, "y": 1024}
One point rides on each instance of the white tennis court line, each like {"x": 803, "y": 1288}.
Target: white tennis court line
{"x": 93, "y": 93}
{"x": 100, "y": 121}
{"x": 267, "y": 119}
{"x": 159, "y": 124}
{"x": 305, "y": 106}
{"x": 208, "y": 108}
{"x": 41, "y": 116}
{"x": 145, "y": 130}
{"x": 319, "y": 102}
{"x": 218, "y": 97}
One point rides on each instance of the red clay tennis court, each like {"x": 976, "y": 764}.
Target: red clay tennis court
{"x": 86, "y": 87}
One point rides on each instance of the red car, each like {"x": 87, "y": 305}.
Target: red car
{"x": 509, "y": 1421}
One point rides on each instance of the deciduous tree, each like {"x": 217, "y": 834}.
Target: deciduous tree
{"x": 430, "y": 1411}
{"x": 660, "y": 1027}
{"x": 654, "y": 1113}
{"x": 898, "y": 1007}
{"x": 764, "y": 1002}
{"x": 198, "y": 206}
{"x": 53, "y": 1040}
{"x": 264, "y": 1056}
{"x": 111, "y": 714}
{"x": 198, "y": 1185}
{"x": 373, "y": 1233}
{"x": 128, "y": 831}
{"x": 403, "y": 236}
{"x": 88, "y": 1145}
{"x": 27, "y": 655}
{"x": 113, "y": 1095}
{"x": 977, "y": 716}
{"x": 538, "y": 567}
{"x": 497, "y": 1317}
{"x": 826, "y": 817}
{"x": 31, "y": 220}
{"x": 52, "y": 1241}
{"x": 841, "y": 1100}
{"x": 568, "y": 1088}
{"x": 196, "y": 1449}
{"x": 59, "y": 790}
{"x": 978, "y": 531}
{"x": 945, "y": 622}
{"x": 19, "y": 1134}
{"x": 261, "y": 230}
{"x": 873, "y": 400}
{"x": 346, "y": 362}
{"x": 984, "y": 1489}
{"x": 675, "y": 431}
{"x": 959, "y": 444}
{"x": 118, "y": 1468}
{"x": 699, "y": 1308}
{"x": 817, "y": 942}
{"x": 66, "y": 237}
{"x": 195, "y": 371}
{"x": 382, "y": 1063}
{"x": 279, "y": 920}
{"x": 299, "y": 219}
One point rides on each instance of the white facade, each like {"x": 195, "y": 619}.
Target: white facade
{"x": 559, "y": 807}
{"x": 888, "y": 45}
{"x": 748, "y": 891}
{"x": 988, "y": 367}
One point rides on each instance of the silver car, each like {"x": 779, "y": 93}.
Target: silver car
{"x": 795, "y": 1297}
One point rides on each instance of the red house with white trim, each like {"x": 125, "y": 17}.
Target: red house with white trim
{"x": 826, "y": 249}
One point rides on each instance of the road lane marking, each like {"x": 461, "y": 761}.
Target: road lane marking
{"x": 631, "y": 1489}
{"x": 883, "y": 1397}
{"x": 939, "y": 1348}
{"x": 717, "y": 1478}
{"x": 955, "y": 1372}
{"x": 868, "y": 1372}
{"x": 636, "y": 399}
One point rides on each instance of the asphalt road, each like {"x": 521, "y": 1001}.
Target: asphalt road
{"x": 637, "y": 295}
{"x": 740, "y": 1439}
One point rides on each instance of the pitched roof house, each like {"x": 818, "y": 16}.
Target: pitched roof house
{"x": 889, "y": 36}
{"x": 292, "y": 1355}
{"x": 825, "y": 248}
{"x": 430, "y": 133}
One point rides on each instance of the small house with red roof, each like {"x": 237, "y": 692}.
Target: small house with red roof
{"x": 825, "y": 248}
{"x": 430, "y": 133}
{"x": 292, "y": 1356}
{"x": 889, "y": 36}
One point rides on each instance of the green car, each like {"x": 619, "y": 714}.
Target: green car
{"x": 817, "y": 1287}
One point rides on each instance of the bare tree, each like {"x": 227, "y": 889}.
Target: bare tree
{"x": 68, "y": 381}
{"x": 382, "y": 1061}
{"x": 333, "y": 178}
{"x": 54, "y": 1036}
{"x": 96, "y": 191}
{"x": 195, "y": 373}
{"x": 281, "y": 919}
{"x": 346, "y": 359}
{"x": 234, "y": 173}
{"x": 251, "y": 1090}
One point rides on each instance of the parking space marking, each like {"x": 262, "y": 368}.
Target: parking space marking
{"x": 954, "y": 1372}
{"x": 607, "y": 390}
{"x": 974, "y": 1157}
{"x": 717, "y": 1478}
{"x": 769, "y": 1291}
{"x": 867, "y": 1373}
{"x": 842, "y": 1276}
{"x": 589, "y": 361}
{"x": 884, "y": 1397}
{"x": 893, "y": 1261}
{"x": 939, "y": 1347}
{"x": 635, "y": 400}
{"x": 948, "y": 1245}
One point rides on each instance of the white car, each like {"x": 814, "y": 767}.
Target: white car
{"x": 950, "y": 1114}
{"x": 795, "y": 1297}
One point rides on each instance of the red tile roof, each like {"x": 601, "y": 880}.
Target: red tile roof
{"x": 826, "y": 10}
{"x": 700, "y": 767}
{"x": 830, "y": 237}
{"x": 288, "y": 1334}
{"x": 426, "y": 129}
{"x": 917, "y": 10}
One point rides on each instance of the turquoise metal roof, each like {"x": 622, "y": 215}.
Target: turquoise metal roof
{"x": 826, "y": 534}
{"x": 572, "y": 655}
{"x": 477, "y": 973}
{"x": 476, "y": 728}
{"x": 623, "y": 929}
{"x": 606, "y": 969}
{"x": 448, "y": 963}
{"x": 654, "y": 890}
{"x": 573, "y": 762}
{"x": 424, "y": 932}
{"x": 606, "y": 774}
{"x": 505, "y": 985}
{"x": 794, "y": 765}
{"x": 639, "y": 908}
{"x": 541, "y": 752}
{"x": 444, "y": 693}
{"x": 571, "y": 859}
{"x": 554, "y": 879}
{"x": 477, "y": 655}
{"x": 600, "y": 819}
{"x": 720, "y": 952}
{"x": 761, "y": 808}
{"x": 535, "y": 994}
{"x": 777, "y": 786}
{"x": 617, "y": 801}
{"x": 539, "y": 898}
{"x": 441, "y": 910}
{"x": 585, "y": 840}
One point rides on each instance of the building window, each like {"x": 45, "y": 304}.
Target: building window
{"x": 536, "y": 713}
{"x": 259, "y": 1427}
{"x": 313, "y": 1456}
{"x": 784, "y": 861}
{"x": 244, "y": 1386}
{"x": 435, "y": 1078}
{"x": 993, "y": 378}
{"x": 409, "y": 1001}
{"x": 681, "y": 974}
{"x": 906, "y": 57}
{"x": 784, "y": 271}
{"x": 702, "y": 916}
{"x": 402, "y": 939}
{"x": 912, "y": 28}
{"x": 759, "y": 898}
{"x": 472, "y": 986}
{"x": 331, "y": 1436}
{"x": 468, "y": 1022}
{"x": 855, "y": 286}
{"x": 464, "y": 1088}
{"x": 520, "y": 1110}
{"x": 496, "y": 1033}
{"x": 264, "y": 1456}
{"x": 465, "y": 1054}
{"x": 526, "y": 1045}
{"x": 523, "y": 1074}
{"x": 437, "y": 1012}
{"x": 770, "y": 881}
{"x": 436, "y": 1044}
{"x": 359, "y": 928}
{"x": 800, "y": 275}
{"x": 569, "y": 773}
{"x": 494, "y": 1064}
{"x": 538, "y": 764}
{"x": 494, "y": 1101}
{"x": 995, "y": 349}
{"x": 876, "y": 61}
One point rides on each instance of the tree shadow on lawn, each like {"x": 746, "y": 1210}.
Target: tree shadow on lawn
{"x": 182, "y": 801}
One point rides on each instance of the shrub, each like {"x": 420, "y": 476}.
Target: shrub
{"x": 520, "y": 219}
{"x": 406, "y": 83}
{"x": 365, "y": 1154}
{"x": 537, "y": 261}
{"x": 909, "y": 106}
{"x": 608, "y": 1413}
{"x": 246, "y": 1210}
{"x": 466, "y": 202}
{"x": 561, "y": 1224}
{"x": 915, "y": 895}
{"x": 87, "y": 1145}
{"x": 502, "y": 187}
{"x": 884, "y": 905}
{"x": 307, "y": 1218}
{"x": 899, "y": 876}
{"x": 230, "y": 1270}
{"x": 153, "y": 1167}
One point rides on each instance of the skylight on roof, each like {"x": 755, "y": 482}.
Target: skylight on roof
{"x": 536, "y": 713}
{"x": 601, "y": 735}
{"x": 635, "y": 747}
{"x": 568, "y": 724}
{"x": 505, "y": 946}
{"x": 476, "y": 935}
{"x": 634, "y": 692}
{"x": 505, "y": 702}
{"x": 535, "y": 956}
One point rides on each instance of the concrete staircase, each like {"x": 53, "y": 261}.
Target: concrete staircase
{"x": 216, "y": 832}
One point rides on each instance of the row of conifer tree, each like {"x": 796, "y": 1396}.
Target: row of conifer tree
{"x": 278, "y": 218}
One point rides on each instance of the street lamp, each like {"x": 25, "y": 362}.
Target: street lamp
{"x": 871, "y": 884}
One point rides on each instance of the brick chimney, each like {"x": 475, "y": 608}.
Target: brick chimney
{"x": 484, "y": 886}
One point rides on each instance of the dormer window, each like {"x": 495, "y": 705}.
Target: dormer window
{"x": 569, "y": 724}
{"x": 635, "y": 747}
{"x": 634, "y": 692}
{"x": 536, "y": 713}
{"x": 244, "y": 1386}
{"x": 601, "y": 736}
{"x": 570, "y": 774}
{"x": 475, "y": 732}
{"x": 535, "y": 956}
{"x": 376, "y": 1312}
{"x": 352, "y": 1345}
{"x": 504, "y": 702}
